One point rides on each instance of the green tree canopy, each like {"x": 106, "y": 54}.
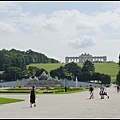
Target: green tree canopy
{"x": 88, "y": 66}
{"x": 72, "y": 69}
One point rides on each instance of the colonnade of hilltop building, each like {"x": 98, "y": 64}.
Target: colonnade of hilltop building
{"x": 83, "y": 57}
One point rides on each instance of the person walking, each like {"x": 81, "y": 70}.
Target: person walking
{"x": 101, "y": 93}
{"x": 118, "y": 88}
{"x": 91, "y": 90}
{"x": 105, "y": 92}
{"x": 32, "y": 96}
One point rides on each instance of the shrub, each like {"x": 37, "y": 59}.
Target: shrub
{"x": 59, "y": 91}
{"x": 48, "y": 92}
{"x": 68, "y": 87}
{"x": 42, "y": 88}
{"x": 80, "y": 85}
{"x": 47, "y": 87}
{"x": 20, "y": 85}
{"x": 15, "y": 91}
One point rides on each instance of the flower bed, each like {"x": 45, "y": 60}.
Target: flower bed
{"x": 14, "y": 91}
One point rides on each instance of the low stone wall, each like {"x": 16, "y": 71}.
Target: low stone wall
{"x": 43, "y": 83}
{"x": 78, "y": 84}
{"x": 14, "y": 83}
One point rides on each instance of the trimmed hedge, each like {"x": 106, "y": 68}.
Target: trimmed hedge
{"x": 48, "y": 92}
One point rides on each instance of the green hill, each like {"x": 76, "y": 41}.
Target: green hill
{"x": 105, "y": 68}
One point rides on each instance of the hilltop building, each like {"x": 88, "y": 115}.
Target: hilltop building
{"x": 83, "y": 57}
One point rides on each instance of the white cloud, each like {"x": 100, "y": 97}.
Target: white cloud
{"x": 64, "y": 32}
{"x": 83, "y": 42}
{"x": 6, "y": 27}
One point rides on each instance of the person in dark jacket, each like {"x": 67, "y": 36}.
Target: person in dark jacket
{"x": 118, "y": 88}
{"x": 91, "y": 90}
{"x": 32, "y": 96}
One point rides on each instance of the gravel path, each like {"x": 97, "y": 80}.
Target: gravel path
{"x": 75, "y": 105}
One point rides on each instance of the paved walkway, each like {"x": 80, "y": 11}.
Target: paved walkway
{"x": 75, "y": 105}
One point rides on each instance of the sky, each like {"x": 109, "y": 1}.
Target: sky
{"x": 61, "y": 29}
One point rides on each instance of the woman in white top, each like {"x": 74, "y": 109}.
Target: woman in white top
{"x": 105, "y": 92}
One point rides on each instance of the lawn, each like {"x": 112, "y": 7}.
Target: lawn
{"x": 48, "y": 67}
{"x": 69, "y": 91}
{"x": 104, "y": 68}
{"x": 9, "y": 100}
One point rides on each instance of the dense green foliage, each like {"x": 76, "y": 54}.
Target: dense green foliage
{"x": 86, "y": 73}
{"x": 110, "y": 69}
{"x": 17, "y": 58}
{"x": 118, "y": 75}
{"x": 103, "y": 68}
{"x": 16, "y": 64}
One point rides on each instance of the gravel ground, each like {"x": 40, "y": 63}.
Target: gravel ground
{"x": 75, "y": 105}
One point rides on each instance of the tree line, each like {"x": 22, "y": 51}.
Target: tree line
{"x": 84, "y": 74}
{"x": 17, "y": 58}
{"x": 118, "y": 75}
{"x": 14, "y": 64}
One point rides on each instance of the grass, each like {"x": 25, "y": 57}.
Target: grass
{"x": 104, "y": 68}
{"x": 61, "y": 91}
{"x": 69, "y": 92}
{"x": 108, "y": 68}
{"x": 48, "y": 67}
{"x": 9, "y": 100}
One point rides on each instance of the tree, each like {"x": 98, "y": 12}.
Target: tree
{"x": 95, "y": 76}
{"x": 118, "y": 78}
{"x": 59, "y": 72}
{"x": 119, "y": 62}
{"x": 88, "y": 66}
{"x": 12, "y": 73}
{"x": 40, "y": 71}
{"x": 118, "y": 75}
{"x": 105, "y": 79}
{"x": 72, "y": 69}
{"x": 54, "y": 73}
{"x": 32, "y": 70}
{"x": 16, "y": 58}
{"x": 4, "y": 61}
{"x": 84, "y": 77}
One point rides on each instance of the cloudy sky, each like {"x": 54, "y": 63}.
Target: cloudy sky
{"x": 60, "y": 29}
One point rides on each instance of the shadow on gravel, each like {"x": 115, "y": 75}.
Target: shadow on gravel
{"x": 94, "y": 99}
{"x": 26, "y": 107}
